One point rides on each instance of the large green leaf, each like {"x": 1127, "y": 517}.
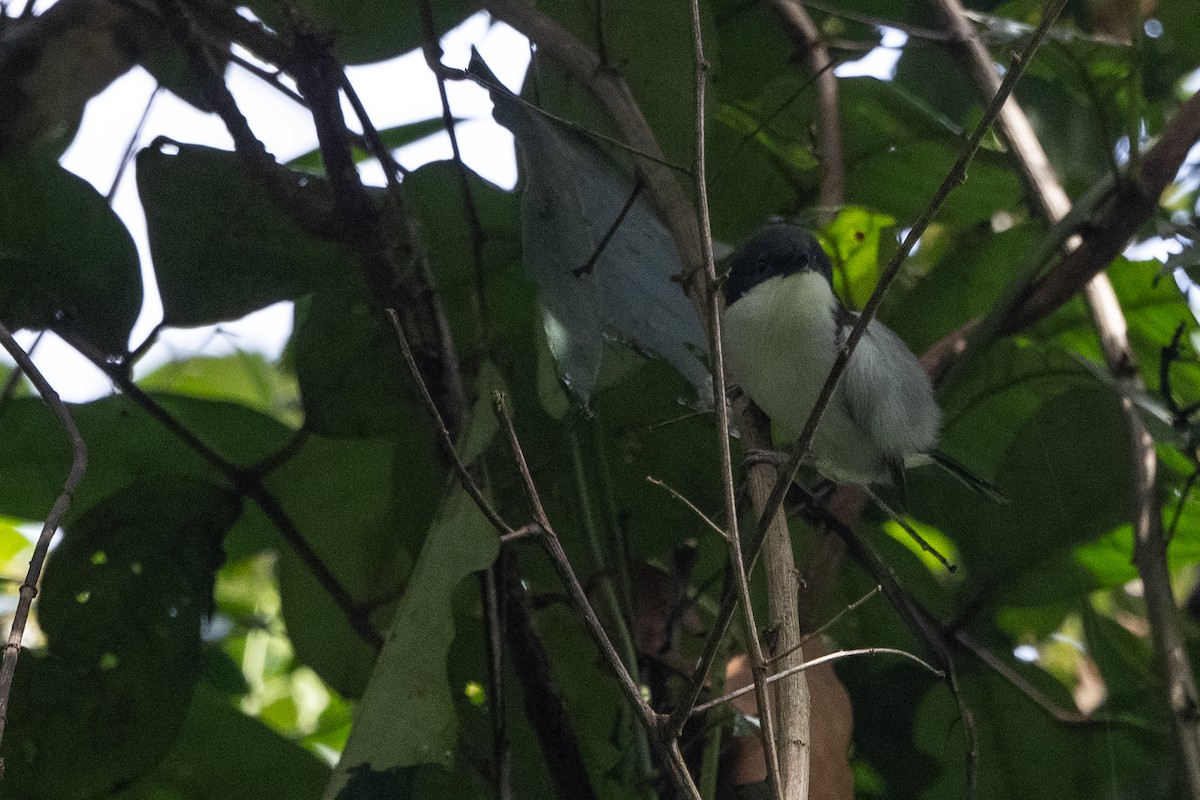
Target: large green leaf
{"x": 1066, "y": 474}
{"x": 340, "y": 495}
{"x": 122, "y": 602}
{"x": 248, "y": 379}
{"x": 66, "y": 261}
{"x": 407, "y": 716}
{"x": 352, "y": 379}
{"x": 221, "y": 247}
{"x": 125, "y": 445}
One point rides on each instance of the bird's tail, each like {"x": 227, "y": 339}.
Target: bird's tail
{"x": 968, "y": 478}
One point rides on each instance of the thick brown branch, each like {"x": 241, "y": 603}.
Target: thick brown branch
{"x": 1135, "y": 202}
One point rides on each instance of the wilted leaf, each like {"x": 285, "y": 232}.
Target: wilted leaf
{"x": 573, "y": 196}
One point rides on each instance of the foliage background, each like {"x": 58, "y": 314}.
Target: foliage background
{"x": 189, "y": 650}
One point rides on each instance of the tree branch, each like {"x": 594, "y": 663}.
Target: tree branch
{"x": 786, "y": 749}
{"x": 659, "y": 735}
{"x": 12, "y": 648}
{"x": 829, "y": 118}
{"x": 1105, "y": 236}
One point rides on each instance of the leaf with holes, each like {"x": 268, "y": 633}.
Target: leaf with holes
{"x": 122, "y": 602}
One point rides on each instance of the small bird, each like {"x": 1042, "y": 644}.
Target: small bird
{"x": 783, "y": 327}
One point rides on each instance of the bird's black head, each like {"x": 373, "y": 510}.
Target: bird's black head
{"x": 776, "y": 250}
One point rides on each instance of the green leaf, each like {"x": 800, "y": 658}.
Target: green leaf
{"x": 406, "y": 716}
{"x": 242, "y": 377}
{"x": 573, "y": 196}
{"x": 124, "y": 445}
{"x": 857, "y": 237}
{"x": 1068, "y": 482}
{"x": 221, "y": 754}
{"x": 360, "y": 504}
{"x": 122, "y": 602}
{"x": 1024, "y": 752}
{"x": 221, "y": 247}
{"x": 66, "y": 260}
{"x": 353, "y": 381}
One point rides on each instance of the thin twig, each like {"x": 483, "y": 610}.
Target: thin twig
{"x": 391, "y": 167}
{"x": 808, "y": 637}
{"x": 784, "y": 763}
{"x": 690, "y": 506}
{"x": 816, "y": 662}
{"x": 304, "y": 202}
{"x": 549, "y": 540}
{"x": 829, "y": 121}
{"x": 1020, "y": 684}
{"x": 1149, "y": 541}
{"x": 495, "y": 623}
{"x": 590, "y": 264}
{"x": 14, "y": 378}
{"x": 131, "y": 148}
{"x": 433, "y": 58}
{"x": 913, "y": 31}
{"x": 444, "y": 438}
{"x": 921, "y": 541}
{"x": 12, "y": 648}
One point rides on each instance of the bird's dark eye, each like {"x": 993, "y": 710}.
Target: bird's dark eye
{"x": 760, "y": 265}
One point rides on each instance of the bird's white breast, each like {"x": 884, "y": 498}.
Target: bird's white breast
{"x": 780, "y": 341}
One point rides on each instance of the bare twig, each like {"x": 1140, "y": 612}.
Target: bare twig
{"x": 587, "y": 266}
{"x": 131, "y": 148}
{"x": 1020, "y": 684}
{"x": 246, "y": 482}
{"x": 12, "y": 648}
{"x": 495, "y": 624}
{"x": 689, "y": 505}
{"x": 433, "y": 58}
{"x": 444, "y": 437}
{"x": 1149, "y": 541}
{"x": 305, "y": 201}
{"x": 816, "y": 662}
{"x": 785, "y": 750}
{"x": 834, "y": 620}
{"x": 14, "y": 377}
{"x": 659, "y": 736}
{"x": 543, "y": 702}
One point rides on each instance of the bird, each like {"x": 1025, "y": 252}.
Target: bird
{"x": 783, "y": 326}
